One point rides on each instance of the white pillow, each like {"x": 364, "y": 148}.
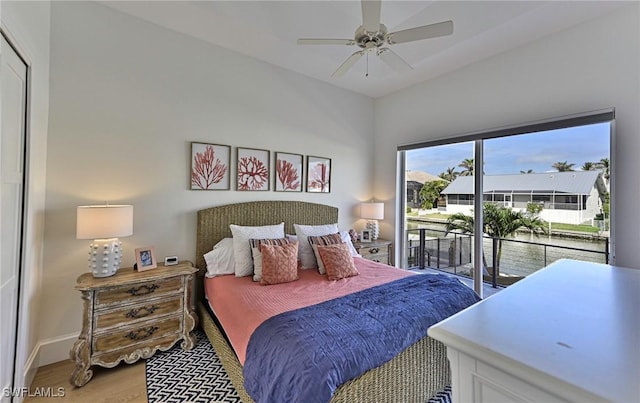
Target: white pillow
{"x": 305, "y": 252}
{"x": 242, "y": 249}
{"x": 220, "y": 260}
{"x": 346, "y": 238}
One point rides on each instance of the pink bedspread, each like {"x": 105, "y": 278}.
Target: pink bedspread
{"x": 241, "y": 304}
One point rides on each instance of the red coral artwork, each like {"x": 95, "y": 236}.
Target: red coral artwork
{"x": 253, "y": 169}
{"x": 210, "y": 171}
{"x": 319, "y": 174}
{"x": 288, "y": 172}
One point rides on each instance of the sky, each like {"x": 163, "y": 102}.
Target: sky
{"x": 510, "y": 155}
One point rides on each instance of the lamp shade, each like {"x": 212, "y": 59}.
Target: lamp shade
{"x": 101, "y": 222}
{"x": 372, "y": 211}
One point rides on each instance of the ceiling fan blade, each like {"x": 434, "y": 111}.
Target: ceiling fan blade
{"x": 318, "y": 41}
{"x": 347, "y": 64}
{"x": 423, "y": 32}
{"x": 371, "y": 15}
{"x": 394, "y": 61}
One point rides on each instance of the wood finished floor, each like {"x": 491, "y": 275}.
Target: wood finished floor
{"x": 124, "y": 383}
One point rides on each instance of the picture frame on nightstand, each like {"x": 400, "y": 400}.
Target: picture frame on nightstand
{"x": 146, "y": 258}
{"x": 365, "y": 235}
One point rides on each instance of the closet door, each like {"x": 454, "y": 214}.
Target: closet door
{"x": 13, "y": 101}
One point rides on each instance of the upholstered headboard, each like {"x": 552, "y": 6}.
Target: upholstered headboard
{"x": 213, "y": 223}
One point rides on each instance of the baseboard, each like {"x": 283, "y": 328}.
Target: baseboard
{"x": 44, "y": 353}
{"x": 55, "y": 349}
{"x": 31, "y": 366}
{"x": 30, "y": 369}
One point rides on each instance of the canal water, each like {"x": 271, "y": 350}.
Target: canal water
{"x": 524, "y": 258}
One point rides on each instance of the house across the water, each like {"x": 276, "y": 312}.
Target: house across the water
{"x": 568, "y": 197}
{"x": 415, "y": 180}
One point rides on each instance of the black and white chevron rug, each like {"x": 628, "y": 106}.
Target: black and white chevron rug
{"x": 189, "y": 376}
{"x": 198, "y": 376}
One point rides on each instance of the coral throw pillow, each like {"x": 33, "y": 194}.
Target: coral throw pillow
{"x": 257, "y": 254}
{"x": 279, "y": 263}
{"x": 337, "y": 261}
{"x": 323, "y": 240}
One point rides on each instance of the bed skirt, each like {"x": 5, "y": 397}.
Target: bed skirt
{"x": 415, "y": 375}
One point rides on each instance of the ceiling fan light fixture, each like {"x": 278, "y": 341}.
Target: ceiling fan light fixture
{"x": 372, "y": 35}
{"x": 364, "y": 37}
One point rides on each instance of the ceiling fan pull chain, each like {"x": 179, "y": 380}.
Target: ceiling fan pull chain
{"x": 367, "y": 73}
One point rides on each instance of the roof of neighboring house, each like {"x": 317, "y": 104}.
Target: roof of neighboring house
{"x": 575, "y": 182}
{"x": 414, "y": 184}
{"x": 422, "y": 177}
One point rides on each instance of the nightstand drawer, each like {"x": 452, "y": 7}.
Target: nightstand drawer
{"x": 378, "y": 250}
{"x": 147, "y": 310}
{"x": 138, "y": 291}
{"x": 141, "y": 332}
{"x": 366, "y": 252}
{"x": 376, "y": 257}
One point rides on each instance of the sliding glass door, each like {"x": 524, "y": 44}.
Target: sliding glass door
{"x": 544, "y": 194}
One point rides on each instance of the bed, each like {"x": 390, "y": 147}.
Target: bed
{"x": 414, "y": 375}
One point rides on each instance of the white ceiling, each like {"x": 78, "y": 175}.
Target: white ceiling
{"x": 268, "y": 30}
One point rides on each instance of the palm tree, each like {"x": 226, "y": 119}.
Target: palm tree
{"x": 450, "y": 174}
{"x": 588, "y": 166}
{"x": 604, "y": 165}
{"x": 563, "y": 166}
{"x": 528, "y": 171}
{"x": 467, "y": 167}
{"x": 498, "y": 222}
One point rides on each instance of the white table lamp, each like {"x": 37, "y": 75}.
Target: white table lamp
{"x": 372, "y": 212}
{"x": 104, "y": 224}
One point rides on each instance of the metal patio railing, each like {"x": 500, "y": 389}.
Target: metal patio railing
{"x": 452, "y": 252}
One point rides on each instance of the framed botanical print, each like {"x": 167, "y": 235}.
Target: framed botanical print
{"x": 288, "y": 172}
{"x": 318, "y": 174}
{"x": 252, "y": 169}
{"x": 210, "y": 166}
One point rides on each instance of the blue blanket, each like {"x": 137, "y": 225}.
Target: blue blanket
{"x": 306, "y": 354}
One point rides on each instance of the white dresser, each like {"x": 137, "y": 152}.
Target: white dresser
{"x": 570, "y": 332}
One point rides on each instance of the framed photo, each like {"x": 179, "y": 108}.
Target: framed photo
{"x": 318, "y": 174}
{"x": 365, "y": 235}
{"x": 252, "y": 169}
{"x": 146, "y": 258}
{"x": 288, "y": 172}
{"x": 210, "y": 166}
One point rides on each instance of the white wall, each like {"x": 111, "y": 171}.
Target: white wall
{"x": 128, "y": 97}
{"x": 26, "y": 25}
{"x": 592, "y": 66}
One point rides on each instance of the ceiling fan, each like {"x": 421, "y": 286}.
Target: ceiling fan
{"x": 372, "y": 36}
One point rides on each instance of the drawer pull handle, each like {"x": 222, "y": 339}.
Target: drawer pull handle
{"x": 137, "y": 290}
{"x": 374, "y": 250}
{"x": 141, "y": 334}
{"x": 141, "y": 312}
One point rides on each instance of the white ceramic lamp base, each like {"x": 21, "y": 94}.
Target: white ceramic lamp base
{"x": 105, "y": 256}
{"x": 374, "y": 227}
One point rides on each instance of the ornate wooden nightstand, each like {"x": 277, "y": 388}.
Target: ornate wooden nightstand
{"x": 131, "y": 315}
{"x": 378, "y": 250}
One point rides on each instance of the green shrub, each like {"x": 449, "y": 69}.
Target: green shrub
{"x": 534, "y": 208}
